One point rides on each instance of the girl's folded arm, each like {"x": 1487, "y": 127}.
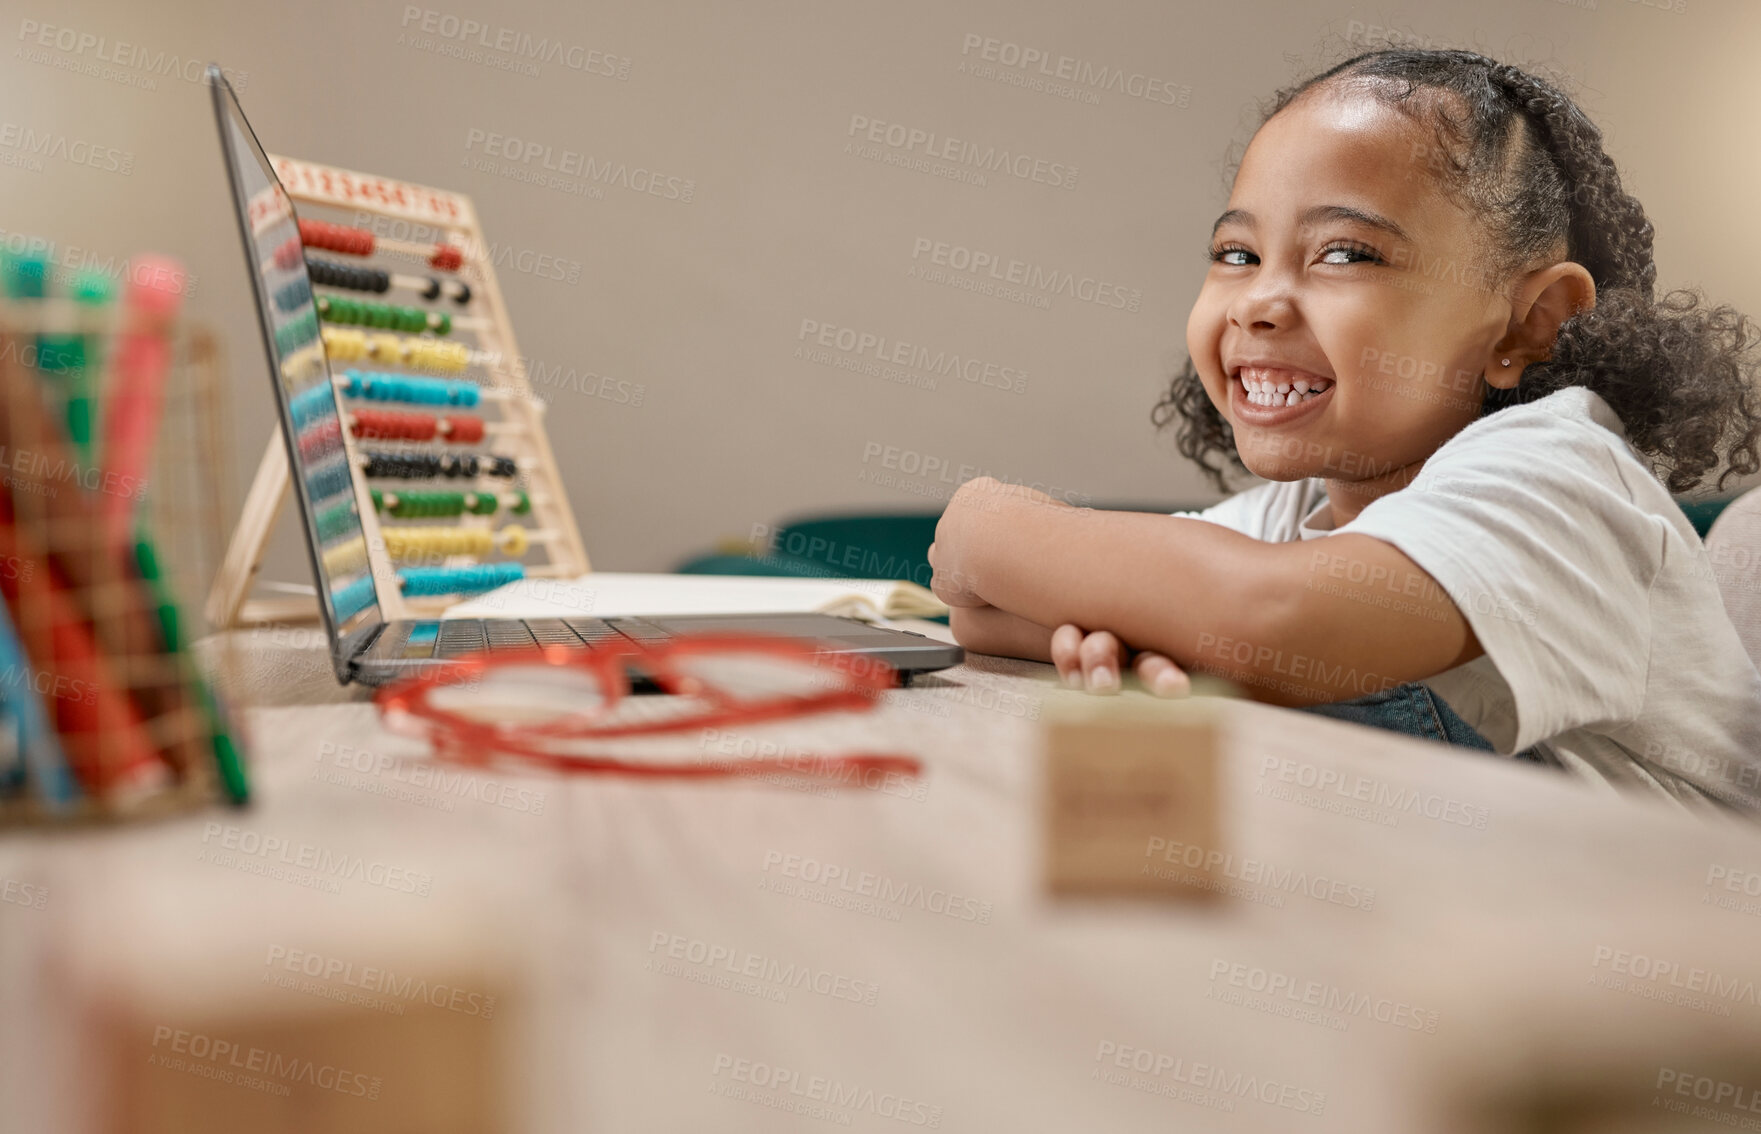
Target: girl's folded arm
{"x": 987, "y": 630}
{"x": 1294, "y": 623}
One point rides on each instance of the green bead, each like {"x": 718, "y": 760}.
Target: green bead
{"x": 333, "y": 522}
{"x": 92, "y": 286}
{"x": 443, "y": 325}
{"x": 524, "y": 506}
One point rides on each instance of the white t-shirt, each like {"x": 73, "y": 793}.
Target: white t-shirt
{"x": 1607, "y": 645}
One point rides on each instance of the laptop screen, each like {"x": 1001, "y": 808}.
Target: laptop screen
{"x": 310, "y": 417}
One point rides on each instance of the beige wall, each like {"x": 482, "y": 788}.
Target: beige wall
{"x": 699, "y": 304}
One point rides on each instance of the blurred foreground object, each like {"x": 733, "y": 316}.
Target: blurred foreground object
{"x": 103, "y": 705}
{"x": 246, "y": 1012}
{"x": 1125, "y": 776}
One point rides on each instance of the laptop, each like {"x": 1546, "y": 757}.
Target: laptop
{"x": 365, "y": 647}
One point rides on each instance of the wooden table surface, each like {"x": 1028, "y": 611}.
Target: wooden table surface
{"x": 1415, "y": 938}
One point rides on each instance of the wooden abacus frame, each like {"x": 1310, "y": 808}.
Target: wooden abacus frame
{"x": 453, "y": 218}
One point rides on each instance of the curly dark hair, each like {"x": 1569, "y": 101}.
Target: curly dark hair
{"x": 1676, "y": 371}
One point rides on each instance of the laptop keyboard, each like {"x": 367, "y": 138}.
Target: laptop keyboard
{"x": 467, "y": 636}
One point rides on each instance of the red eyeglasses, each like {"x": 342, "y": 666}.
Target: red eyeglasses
{"x": 547, "y": 705}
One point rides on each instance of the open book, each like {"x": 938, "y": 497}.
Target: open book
{"x": 609, "y": 594}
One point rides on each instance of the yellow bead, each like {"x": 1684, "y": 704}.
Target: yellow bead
{"x": 346, "y": 558}
{"x": 344, "y": 345}
{"x": 385, "y": 348}
{"x": 407, "y": 543}
{"x": 513, "y": 541}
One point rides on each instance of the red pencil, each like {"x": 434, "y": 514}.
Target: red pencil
{"x": 101, "y": 730}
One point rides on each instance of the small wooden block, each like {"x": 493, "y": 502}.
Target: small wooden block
{"x": 245, "y": 1010}
{"x": 1122, "y": 773}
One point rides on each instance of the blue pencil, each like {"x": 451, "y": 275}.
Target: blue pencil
{"x": 43, "y": 759}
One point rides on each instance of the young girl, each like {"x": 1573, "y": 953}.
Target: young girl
{"x": 1429, "y": 322}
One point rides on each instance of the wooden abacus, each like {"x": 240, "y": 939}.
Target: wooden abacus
{"x": 466, "y": 415}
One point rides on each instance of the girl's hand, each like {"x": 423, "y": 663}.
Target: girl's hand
{"x": 1095, "y": 661}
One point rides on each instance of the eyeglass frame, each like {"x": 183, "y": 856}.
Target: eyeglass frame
{"x": 452, "y": 734}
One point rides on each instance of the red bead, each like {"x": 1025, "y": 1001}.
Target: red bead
{"x": 288, "y": 256}
{"x": 463, "y": 429}
{"x": 394, "y": 426}
{"x": 446, "y": 258}
{"x": 336, "y": 238}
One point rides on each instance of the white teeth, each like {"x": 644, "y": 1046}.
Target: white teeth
{"x": 1271, "y": 392}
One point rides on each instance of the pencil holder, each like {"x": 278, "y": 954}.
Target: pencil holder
{"x": 112, "y": 474}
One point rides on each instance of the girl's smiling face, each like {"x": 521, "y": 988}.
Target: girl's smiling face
{"x": 1341, "y": 268}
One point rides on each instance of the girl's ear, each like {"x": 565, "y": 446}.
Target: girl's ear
{"x": 1544, "y": 300}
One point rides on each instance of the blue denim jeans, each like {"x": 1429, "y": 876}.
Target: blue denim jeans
{"x": 1414, "y": 710}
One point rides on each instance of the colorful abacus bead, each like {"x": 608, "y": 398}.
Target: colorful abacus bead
{"x": 405, "y": 544}
{"x": 388, "y": 348}
{"x": 336, "y": 238}
{"x": 293, "y": 294}
{"x": 384, "y": 464}
{"x": 296, "y": 333}
{"x": 352, "y": 597}
{"x": 287, "y": 257}
{"x": 461, "y": 429}
{"x": 328, "y": 273}
{"x": 336, "y": 521}
{"x": 328, "y": 480}
{"x": 424, "y": 505}
{"x": 339, "y": 309}
{"x": 343, "y": 345}
{"x": 446, "y": 258}
{"x": 380, "y": 464}
{"x": 390, "y": 425}
{"x": 461, "y": 291}
{"x": 417, "y": 354}
{"x": 320, "y": 439}
{"x": 314, "y": 403}
{"x": 379, "y": 387}
{"x": 304, "y": 366}
{"x": 420, "y": 582}
{"x": 346, "y": 557}
{"x": 513, "y": 541}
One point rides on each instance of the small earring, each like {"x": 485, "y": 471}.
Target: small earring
{"x": 1506, "y": 362}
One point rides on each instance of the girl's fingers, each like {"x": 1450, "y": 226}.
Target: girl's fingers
{"x": 1161, "y": 676}
{"x": 1101, "y": 656}
{"x": 1066, "y": 641}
